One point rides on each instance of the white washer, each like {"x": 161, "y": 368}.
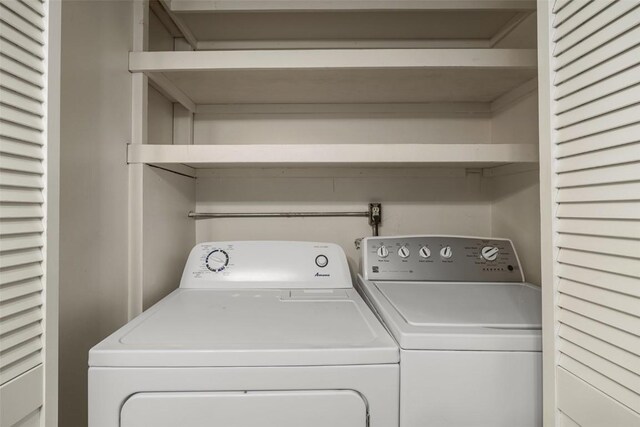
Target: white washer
{"x": 259, "y": 333}
{"x": 468, "y": 327}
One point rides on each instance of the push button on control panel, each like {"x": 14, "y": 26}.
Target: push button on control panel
{"x": 322, "y": 261}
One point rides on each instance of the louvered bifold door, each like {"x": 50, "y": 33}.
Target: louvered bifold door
{"x": 22, "y": 139}
{"x": 595, "y": 72}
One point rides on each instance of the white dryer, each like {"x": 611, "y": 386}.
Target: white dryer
{"x": 468, "y": 326}
{"x": 258, "y": 333}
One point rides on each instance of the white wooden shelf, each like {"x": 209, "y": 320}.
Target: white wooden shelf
{"x": 336, "y": 75}
{"x": 362, "y": 155}
{"x": 366, "y": 5}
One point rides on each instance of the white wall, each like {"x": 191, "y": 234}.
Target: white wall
{"x": 414, "y": 201}
{"x": 95, "y": 126}
{"x": 340, "y": 128}
{"x": 515, "y": 208}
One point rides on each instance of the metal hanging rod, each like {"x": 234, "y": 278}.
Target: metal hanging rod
{"x": 374, "y": 214}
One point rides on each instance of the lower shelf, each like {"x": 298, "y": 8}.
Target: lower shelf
{"x": 285, "y": 155}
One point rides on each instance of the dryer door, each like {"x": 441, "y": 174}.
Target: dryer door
{"x": 324, "y": 408}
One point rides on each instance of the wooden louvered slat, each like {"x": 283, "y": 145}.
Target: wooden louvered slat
{"x": 602, "y": 71}
{"x": 22, "y": 241}
{"x": 614, "y": 336}
{"x": 615, "y": 282}
{"x": 20, "y": 86}
{"x": 600, "y": 37}
{"x": 599, "y": 193}
{"x": 598, "y": 56}
{"x": 21, "y": 118}
{"x": 14, "y": 36}
{"x": 12, "y": 131}
{"x": 599, "y": 107}
{"x": 23, "y": 365}
{"x": 21, "y": 102}
{"x": 21, "y": 226}
{"x": 20, "y": 179}
{"x": 604, "y": 245}
{"x": 581, "y": 19}
{"x": 599, "y": 227}
{"x": 601, "y": 348}
{"x": 21, "y": 164}
{"x": 23, "y": 272}
{"x": 25, "y": 13}
{"x": 18, "y": 305}
{"x": 20, "y": 211}
{"x": 608, "y": 263}
{"x": 600, "y": 296}
{"x": 595, "y": 159}
{"x": 20, "y": 336}
{"x": 604, "y": 210}
{"x": 20, "y": 24}
{"x": 19, "y": 148}
{"x": 618, "y": 173}
{"x": 20, "y": 320}
{"x": 568, "y": 11}
{"x": 603, "y": 123}
{"x": 558, "y": 5}
{"x": 613, "y": 138}
{"x": 21, "y": 195}
{"x": 616, "y": 373}
{"x": 614, "y": 318}
{"x": 605, "y": 87}
{"x": 25, "y": 73}
{"x": 15, "y": 258}
{"x": 17, "y": 353}
{"x": 20, "y": 55}
{"x": 601, "y": 382}
{"x": 16, "y": 290}
{"x": 35, "y": 5}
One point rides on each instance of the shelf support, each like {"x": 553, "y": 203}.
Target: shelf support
{"x": 171, "y": 91}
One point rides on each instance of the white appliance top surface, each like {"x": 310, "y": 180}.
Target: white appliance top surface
{"x": 488, "y": 305}
{"x": 263, "y": 327}
{"x": 459, "y": 315}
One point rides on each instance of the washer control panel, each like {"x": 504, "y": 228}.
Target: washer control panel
{"x": 440, "y": 258}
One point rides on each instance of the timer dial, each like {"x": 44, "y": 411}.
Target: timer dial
{"x": 403, "y": 252}
{"x": 490, "y": 253}
{"x": 217, "y": 260}
{"x": 383, "y": 252}
{"x": 446, "y": 252}
{"x": 425, "y": 252}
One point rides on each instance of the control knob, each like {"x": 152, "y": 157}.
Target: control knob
{"x": 217, "y": 260}
{"x": 424, "y": 252}
{"x": 383, "y": 252}
{"x": 446, "y": 252}
{"x": 403, "y": 252}
{"x": 490, "y": 253}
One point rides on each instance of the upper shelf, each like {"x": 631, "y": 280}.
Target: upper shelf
{"x": 337, "y": 75}
{"x": 344, "y": 5}
{"x": 352, "y": 155}
{"x": 282, "y": 24}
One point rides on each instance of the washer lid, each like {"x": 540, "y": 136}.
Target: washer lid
{"x": 267, "y": 327}
{"x": 480, "y": 305}
{"x": 459, "y": 316}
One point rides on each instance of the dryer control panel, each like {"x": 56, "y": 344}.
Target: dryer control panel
{"x": 266, "y": 265}
{"x": 440, "y": 258}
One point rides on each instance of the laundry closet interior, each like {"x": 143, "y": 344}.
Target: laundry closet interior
{"x": 428, "y": 108}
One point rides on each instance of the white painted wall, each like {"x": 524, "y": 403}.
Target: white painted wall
{"x": 339, "y": 128}
{"x": 415, "y": 201}
{"x": 515, "y": 196}
{"x": 95, "y": 126}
